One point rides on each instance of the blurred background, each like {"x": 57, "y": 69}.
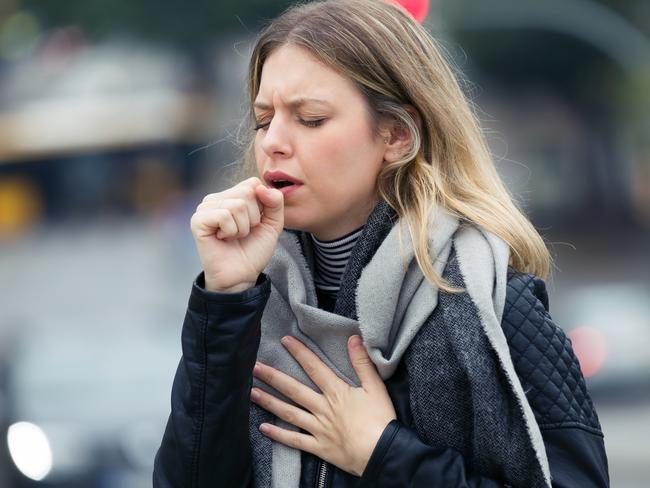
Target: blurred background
{"x": 117, "y": 117}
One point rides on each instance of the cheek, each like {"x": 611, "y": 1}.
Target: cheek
{"x": 347, "y": 148}
{"x": 259, "y": 157}
{"x": 355, "y": 155}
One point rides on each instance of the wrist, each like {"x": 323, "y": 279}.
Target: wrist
{"x": 210, "y": 285}
{"x": 364, "y": 454}
{"x": 374, "y": 464}
{"x": 360, "y": 467}
{"x": 231, "y": 289}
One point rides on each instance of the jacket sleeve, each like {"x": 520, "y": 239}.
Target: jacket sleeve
{"x": 550, "y": 374}
{"x": 401, "y": 459}
{"x": 206, "y": 438}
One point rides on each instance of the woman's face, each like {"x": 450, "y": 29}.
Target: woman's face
{"x": 314, "y": 128}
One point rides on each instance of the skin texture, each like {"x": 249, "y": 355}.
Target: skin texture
{"x": 329, "y": 147}
{"x": 235, "y": 232}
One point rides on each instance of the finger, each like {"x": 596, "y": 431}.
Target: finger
{"x": 289, "y": 387}
{"x": 273, "y": 201}
{"x": 207, "y": 222}
{"x": 239, "y": 210}
{"x": 244, "y": 189}
{"x": 247, "y": 187}
{"x": 253, "y": 181}
{"x": 315, "y": 368}
{"x": 289, "y": 413}
{"x": 255, "y": 208}
{"x": 362, "y": 364}
{"x": 297, "y": 440}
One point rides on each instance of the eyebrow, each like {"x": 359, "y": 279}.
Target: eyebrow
{"x": 297, "y": 102}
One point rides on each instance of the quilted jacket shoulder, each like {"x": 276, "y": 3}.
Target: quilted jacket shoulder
{"x": 544, "y": 359}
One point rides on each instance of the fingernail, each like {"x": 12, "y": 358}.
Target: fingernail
{"x": 255, "y": 395}
{"x": 286, "y": 340}
{"x": 264, "y": 427}
{"x": 257, "y": 368}
{"x": 355, "y": 341}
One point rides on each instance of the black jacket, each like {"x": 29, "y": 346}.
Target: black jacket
{"x": 206, "y": 439}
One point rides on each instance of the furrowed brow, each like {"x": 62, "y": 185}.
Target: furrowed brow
{"x": 296, "y": 103}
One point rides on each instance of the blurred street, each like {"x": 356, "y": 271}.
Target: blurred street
{"x": 115, "y": 122}
{"x": 626, "y": 430}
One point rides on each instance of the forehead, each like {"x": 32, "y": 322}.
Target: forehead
{"x": 292, "y": 72}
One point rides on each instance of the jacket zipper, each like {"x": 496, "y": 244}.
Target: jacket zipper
{"x": 322, "y": 474}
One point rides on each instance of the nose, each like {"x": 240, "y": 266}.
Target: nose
{"x": 276, "y": 139}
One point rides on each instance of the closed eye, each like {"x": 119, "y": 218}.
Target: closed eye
{"x": 261, "y": 125}
{"x": 312, "y": 123}
{"x": 308, "y": 123}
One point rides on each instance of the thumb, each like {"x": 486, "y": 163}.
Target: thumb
{"x": 273, "y": 201}
{"x": 361, "y": 362}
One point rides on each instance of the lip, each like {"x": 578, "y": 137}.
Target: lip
{"x": 271, "y": 176}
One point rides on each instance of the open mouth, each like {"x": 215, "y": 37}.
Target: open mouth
{"x": 282, "y": 183}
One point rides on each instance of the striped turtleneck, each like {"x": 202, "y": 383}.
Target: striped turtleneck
{"x": 330, "y": 259}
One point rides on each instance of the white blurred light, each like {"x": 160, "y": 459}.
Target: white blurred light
{"x": 30, "y": 450}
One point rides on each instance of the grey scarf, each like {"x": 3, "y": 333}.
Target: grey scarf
{"x": 451, "y": 341}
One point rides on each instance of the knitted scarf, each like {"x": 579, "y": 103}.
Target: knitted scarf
{"x": 456, "y": 355}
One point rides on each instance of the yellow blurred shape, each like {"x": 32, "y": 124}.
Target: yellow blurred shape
{"x": 20, "y": 205}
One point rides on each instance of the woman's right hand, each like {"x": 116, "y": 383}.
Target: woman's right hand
{"x": 236, "y": 232}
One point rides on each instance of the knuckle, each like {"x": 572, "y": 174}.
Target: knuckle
{"x": 268, "y": 376}
{"x": 311, "y": 370}
{"x": 209, "y": 197}
{"x": 336, "y": 397}
{"x": 225, "y": 214}
{"x": 292, "y": 391}
{"x": 240, "y": 205}
{"x": 290, "y": 416}
{"x": 296, "y": 440}
{"x": 266, "y": 401}
{"x": 362, "y": 361}
{"x": 255, "y": 217}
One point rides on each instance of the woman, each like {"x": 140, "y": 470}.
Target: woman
{"x": 380, "y": 274}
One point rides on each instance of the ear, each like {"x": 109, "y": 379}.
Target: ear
{"x": 396, "y": 137}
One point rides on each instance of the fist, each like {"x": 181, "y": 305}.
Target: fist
{"x": 236, "y": 232}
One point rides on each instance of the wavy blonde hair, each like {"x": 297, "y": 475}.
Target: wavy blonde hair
{"x": 395, "y": 64}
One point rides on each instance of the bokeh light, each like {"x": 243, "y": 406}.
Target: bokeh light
{"x": 419, "y": 9}
{"x": 590, "y": 345}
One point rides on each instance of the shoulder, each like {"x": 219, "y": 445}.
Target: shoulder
{"x": 543, "y": 357}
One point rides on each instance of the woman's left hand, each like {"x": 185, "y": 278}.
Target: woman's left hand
{"x": 345, "y": 422}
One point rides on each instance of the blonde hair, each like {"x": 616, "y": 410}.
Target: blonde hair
{"x": 395, "y": 63}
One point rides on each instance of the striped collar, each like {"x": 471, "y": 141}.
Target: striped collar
{"x": 330, "y": 259}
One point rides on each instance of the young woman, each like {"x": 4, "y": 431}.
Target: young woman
{"x": 371, "y": 310}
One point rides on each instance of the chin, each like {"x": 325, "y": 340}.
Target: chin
{"x": 297, "y": 227}
{"x": 294, "y": 222}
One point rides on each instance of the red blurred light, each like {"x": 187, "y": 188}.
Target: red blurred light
{"x": 590, "y": 345}
{"x": 417, "y": 8}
